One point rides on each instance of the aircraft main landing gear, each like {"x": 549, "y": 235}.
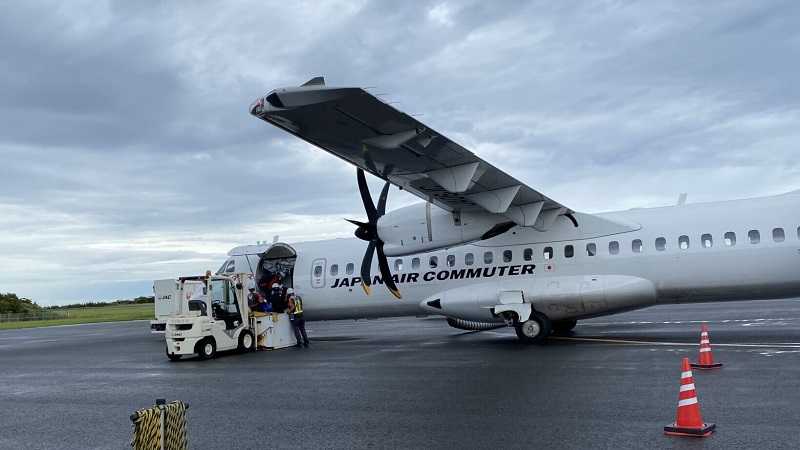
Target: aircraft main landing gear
{"x": 535, "y": 329}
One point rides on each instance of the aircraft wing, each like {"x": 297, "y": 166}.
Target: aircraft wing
{"x": 371, "y": 134}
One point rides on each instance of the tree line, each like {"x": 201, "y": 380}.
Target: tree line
{"x": 10, "y": 303}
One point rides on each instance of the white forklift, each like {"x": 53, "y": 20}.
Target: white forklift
{"x": 227, "y": 326}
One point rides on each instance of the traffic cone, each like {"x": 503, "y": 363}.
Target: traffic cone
{"x": 706, "y": 358}
{"x": 689, "y": 422}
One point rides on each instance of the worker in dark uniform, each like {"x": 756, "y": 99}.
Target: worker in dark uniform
{"x": 296, "y": 317}
{"x": 277, "y": 299}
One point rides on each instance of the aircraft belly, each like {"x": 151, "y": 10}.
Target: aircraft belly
{"x": 575, "y": 297}
{"x": 756, "y": 276}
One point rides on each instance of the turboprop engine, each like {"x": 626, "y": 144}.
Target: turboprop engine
{"x": 424, "y": 227}
{"x": 415, "y": 228}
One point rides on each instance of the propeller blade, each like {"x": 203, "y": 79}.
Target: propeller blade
{"x": 386, "y": 274}
{"x": 369, "y": 232}
{"x": 357, "y": 223}
{"x": 382, "y": 203}
{"x": 363, "y": 188}
{"x": 368, "y": 159}
{"x": 387, "y": 170}
{"x": 366, "y": 263}
{"x": 364, "y": 231}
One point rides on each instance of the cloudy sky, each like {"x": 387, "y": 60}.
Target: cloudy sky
{"x": 128, "y": 154}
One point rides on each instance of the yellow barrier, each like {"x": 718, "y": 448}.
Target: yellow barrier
{"x": 162, "y": 427}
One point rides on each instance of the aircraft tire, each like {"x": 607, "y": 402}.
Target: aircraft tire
{"x": 564, "y": 326}
{"x": 246, "y": 341}
{"x": 535, "y": 329}
{"x": 172, "y": 357}
{"x": 207, "y": 348}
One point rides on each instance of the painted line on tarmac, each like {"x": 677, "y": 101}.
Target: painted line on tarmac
{"x": 621, "y": 341}
{"x": 675, "y": 344}
{"x": 745, "y": 322}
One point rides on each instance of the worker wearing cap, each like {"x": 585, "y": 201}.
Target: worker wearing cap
{"x": 296, "y": 317}
{"x": 277, "y": 299}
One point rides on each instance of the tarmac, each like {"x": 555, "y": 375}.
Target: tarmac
{"x": 417, "y": 383}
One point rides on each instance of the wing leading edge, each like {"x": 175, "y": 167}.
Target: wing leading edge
{"x": 371, "y": 134}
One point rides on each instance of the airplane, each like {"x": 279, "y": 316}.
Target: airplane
{"x": 486, "y": 249}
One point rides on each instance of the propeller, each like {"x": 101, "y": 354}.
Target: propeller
{"x": 369, "y": 232}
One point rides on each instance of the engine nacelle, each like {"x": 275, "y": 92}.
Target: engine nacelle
{"x": 560, "y": 298}
{"x": 424, "y": 227}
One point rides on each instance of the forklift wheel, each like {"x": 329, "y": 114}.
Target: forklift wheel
{"x": 207, "y": 348}
{"x": 246, "y": 342}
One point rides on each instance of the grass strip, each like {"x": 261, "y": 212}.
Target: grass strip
{"x": 110, "y": 313}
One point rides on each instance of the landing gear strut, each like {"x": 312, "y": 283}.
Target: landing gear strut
{"x": 535, "y": 329}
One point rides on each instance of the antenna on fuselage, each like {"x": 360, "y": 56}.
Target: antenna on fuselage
{"x": 682, "y": 199}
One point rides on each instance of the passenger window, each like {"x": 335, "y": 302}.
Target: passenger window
{"x": 527, "y": 254}
{"x": 398, "y": 264}
{"x": 334, "y": 270}
{"x": 349, "y": 268}
{"x": 547, "y": 253}
{"x": 706, "y": 240}
{"x": 488, "y": 257}
{"x": 777, "y": 235}
{"x": 317, "y": 271}
{"x": 683, "y": 242}
{"x": 798, "y": 232}
{"x": 613, "y": 247}
{"x": 469, "y": 259}
{"x": 569, "y": 251}
{"x": 591, "y": 249}
{"x": 507, "y": 256}
{"x": 451, "y": 260}
{"x": 754, "y": 236}
{"x": 433, "y": 262}
{"x": 636, "y": 246}
{"x": 730, "y": 238}
{"x": 661, "y": 244}
{"x": 415, "y": 263}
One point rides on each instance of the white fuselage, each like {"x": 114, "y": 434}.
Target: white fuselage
{"x": 688, "y": 253}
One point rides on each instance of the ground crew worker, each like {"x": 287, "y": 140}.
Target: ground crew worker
{"x": 276, "y": 298}
{"x": 296, "y": 317}
{"x": 255, "y": 301}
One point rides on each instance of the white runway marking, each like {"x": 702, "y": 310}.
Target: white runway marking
{"x": 744, "y": 322}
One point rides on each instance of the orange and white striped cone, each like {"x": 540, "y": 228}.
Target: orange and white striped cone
{"x": 706, "y": 361}
{"x": 689, "y": 422}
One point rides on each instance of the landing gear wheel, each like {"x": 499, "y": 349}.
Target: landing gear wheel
{"x": 172, "y": 357}
{"x": 246, "y": 341}
{"x": 564, "y": 326}
{"x": 535, "y": 329}
{"x": 207, "y": 348}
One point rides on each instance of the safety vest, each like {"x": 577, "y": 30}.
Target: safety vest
{"x": 298, "y": 304}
